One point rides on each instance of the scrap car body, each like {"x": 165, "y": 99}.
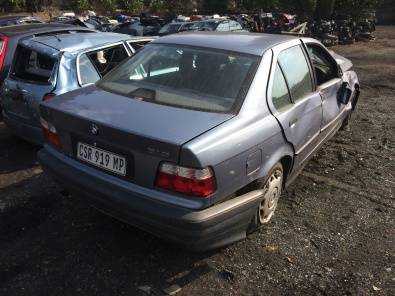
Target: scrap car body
{"x": 203, "y": 165}
{"x": 49, "y": 65}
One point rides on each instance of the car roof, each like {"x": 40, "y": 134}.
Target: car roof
{"x": 243, "y": 42}
{"x": 79, "y": 41}
{"x": 31, "y": 29}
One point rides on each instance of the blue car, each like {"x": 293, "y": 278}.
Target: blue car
{"x": 194, "y": 138}
{"x": 46, "y": 66}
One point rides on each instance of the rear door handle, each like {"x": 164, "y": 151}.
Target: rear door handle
{"x": 292, "y": 122}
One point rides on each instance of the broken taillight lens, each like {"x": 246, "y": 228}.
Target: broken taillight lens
{"x": 189, "y": 181}
{"x": 50, "y": 134}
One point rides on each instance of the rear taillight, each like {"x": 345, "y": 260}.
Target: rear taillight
{"x": 3, "y": 50}
{"x": 50, "y": 134}
{"x": 48, "y": 96}
{"x": 189, "y": 181}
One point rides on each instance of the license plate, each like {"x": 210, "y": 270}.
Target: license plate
{"x": 102, "y": 158}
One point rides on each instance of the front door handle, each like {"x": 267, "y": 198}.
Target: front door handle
{"x": 293, "y": 122}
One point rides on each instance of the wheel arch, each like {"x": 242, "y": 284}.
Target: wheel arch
{"x": 283, "y": 155}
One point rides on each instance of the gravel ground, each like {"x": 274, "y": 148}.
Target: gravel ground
{"x": 333, "y": 232}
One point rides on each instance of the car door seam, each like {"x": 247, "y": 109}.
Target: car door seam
{"x": 333, "y": 120}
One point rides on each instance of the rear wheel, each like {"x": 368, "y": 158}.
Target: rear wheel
{"x": 272, "y": 186}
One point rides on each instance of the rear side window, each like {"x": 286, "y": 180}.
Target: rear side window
{"x": 137, "y": 46}
{"x": 88, "y": 73}
{"x": 296, "y": 71}
{"x": 33, "y": 66}
{"x": 95, "y": 64}
{"x": 280, "y": 95}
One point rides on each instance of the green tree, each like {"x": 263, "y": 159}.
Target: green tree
{"x": 11, "y": 5}
{"x": 80, "y": 5}
{"x": 134, "y": 6}
{"x": 108, "y": 5}
{"x": 254, "y": 5}
{"x": 158, "y": 5}
{"x": 304, "y": 8}
{"x": 356, "y": 8}
{"x": 215, "y": 6}
{"x": 324, "y": 9}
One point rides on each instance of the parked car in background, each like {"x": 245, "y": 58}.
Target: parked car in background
{"x": 101, "y": 23}
{"x": 46, "y": 66}
{"x": 173, "y": 28}
{"x": 11, "y": 35}
{"x": 18, "y": 20}
{"x": 220, "y": 25}
{"x": 93, "y": 25}
{"x": 136, "y": 28}
{"x": 194, "y": 138}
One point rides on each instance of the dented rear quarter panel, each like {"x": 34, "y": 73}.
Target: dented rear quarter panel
{"x": 245, "y": 147}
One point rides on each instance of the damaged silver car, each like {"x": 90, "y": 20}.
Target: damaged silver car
{"x": 194, "y": 138}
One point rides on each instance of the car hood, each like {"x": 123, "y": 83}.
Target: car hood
{"x": 157, "y": 122}
{"x": 344, "y": 63}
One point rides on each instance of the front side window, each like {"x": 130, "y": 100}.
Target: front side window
{"x": 280, "y": 95}
{"x": 325, "y": 67}
{"x": 31, "y": 65}
{"x": 185, "y": 77}
{"x": 100, "y": 61}
{"x": 296, "y": 71}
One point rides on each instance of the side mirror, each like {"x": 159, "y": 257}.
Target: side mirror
{"x": 344, "y": 94}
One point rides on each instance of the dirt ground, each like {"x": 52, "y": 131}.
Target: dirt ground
{"x": 333, "y": 233}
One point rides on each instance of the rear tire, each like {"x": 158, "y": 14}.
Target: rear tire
{"x": 273, "y": 185}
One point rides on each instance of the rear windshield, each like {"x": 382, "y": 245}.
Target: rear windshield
{"x": 185, "y": 77}
{"x": 34, "y": 66}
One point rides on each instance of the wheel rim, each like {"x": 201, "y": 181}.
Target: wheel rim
{"x": 269, "y": 203}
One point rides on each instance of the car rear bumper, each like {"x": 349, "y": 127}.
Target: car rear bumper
{"x": 199, "y": 230}
{"x": 30, "y": 133}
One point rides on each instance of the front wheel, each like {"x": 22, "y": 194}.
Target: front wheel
{"x": 272, "y": 186}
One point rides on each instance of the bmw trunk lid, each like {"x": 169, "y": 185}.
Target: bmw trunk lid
{"x": 145, "y": 132}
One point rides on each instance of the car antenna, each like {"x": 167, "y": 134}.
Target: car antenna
{"x": 57, "y": 37}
